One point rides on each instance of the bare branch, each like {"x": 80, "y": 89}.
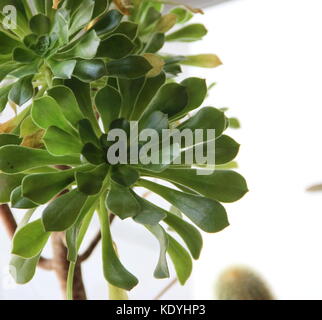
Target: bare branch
{"x": 46, "y": 264}
{"x": 166, "y": 289}
{"x": 90, "y": 248}
{"x": 8, "y": 219}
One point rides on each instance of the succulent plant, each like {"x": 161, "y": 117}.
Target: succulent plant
{"x": 76, "y": 70}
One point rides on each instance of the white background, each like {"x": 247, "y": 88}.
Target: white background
{"x": 270, "y": 80}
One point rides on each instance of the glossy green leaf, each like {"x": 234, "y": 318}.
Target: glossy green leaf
{"x": 181, "y": 260}
{"x": 22, "y": 55}
{"x": 190, "y": 235}
{"x": 222, "y": 185}
{"x": 131, "y": 67}
{"x": 86, "y": 133}
{"x": 122, "y": 202}
{"x": 129, "y": 89}
{"x": 19, "y": 202}
{"x": 7, "y": 44}
{"x": 22, "y": 91}
{"x": 85, "y": 48}
{"x": 67, "y": 101}
{"x": 40, "y": 24}
{"x": 43, "y": 187}
{"x": 7, "y": 138}
{"x": 197, "y": 92}
{"x": 162, "y": 270}
{"x": 124, "y": 175}
{"x": 192, "y": 32}
{"x": 8, "y": 182}
{"x": 114, "y": 271}
{"x": 29, "y": 240}
{"x": 82, "y": 16}
{"x": 171, "y": 99}
{"x": 206, "y": 118}
{"x": 6, "y": 68}
{"x": 59, "y": 143}
{"x": 115, "y": 47}
{"x": 149, "y": 213}
{"x": 226, "y": 149}
{"x": 108, "y": 23}
{"x": 46, "y": 113}
{"x": 202, "y": 61}
{"x": 155, "y": 43}
{"x": 108, "y": 102}
{"x": 23, "y": 270}
{"x": 91, "y": 182}
{"x": 62, "y": 69}
{"x": 128, "y": 29}
{"x": 207, "y": 214}
{"x": 93, "y": 154}
{"x": 82, "y": 92}
{"x": 15, "y": 159}
{"x": 89, "y": 70}
{"x": 4, "y": 92}
{"x": 28, "y": 127}
{"x": 62, "y": 213}
{"x": 183, "y": 15}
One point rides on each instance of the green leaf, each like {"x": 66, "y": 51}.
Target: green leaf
{"x": 23, "y": 55}
{"x": 67, "y": 101}
{"x": 62, "y": 69}
{"x": 85, "y": 48}
{"x": 19, "y": 202}
{"x": 62, "y": 213}
{"x": 124, "y": 175}
{"x": 114, "y": 271}
{"x": 162, "y": 270}
{"x": 222, "y": 185}
{"x": 91, "y": 182}
{"x": 82, "y": 92}
{"x": 183, "y": 15}
{"x": 23, "y": 270}
{"x": 131, "y": 67}
{"x": 46, "y": 113}
{"x": 7, "y": 44}
{"x": 190, "y": 235}
{"x": 90, "y": 70}
{"x": 149, "y": 213}
{"x": 202, "y": 61}
{"x": 206, "y": 118}
{"x": 7, "y": 138}
{"x": 129, "y": 89}
{"x": 43, "y": 187}
{"x": 108, "y": 23}
{"x": 29, "y": 240}
{"x": 128, "y": 29}
{"x": 93, "y": 154}
{"x": 59, "y": 143}
{"x": 181, "y": 260}
{"x": 197, "y": 92}
{"x": 25, "y": 70}
{"x": 207, "y": 214}
{"x": 86, "y": 133}
{"x": 108, "y": 102}
{"x": 15, "y": 159}
{"x": 115, "y": 47}
{"x": 122, "y": 202}
{"x": 155, "y": 43}
{"x": 234, "y": 123}
{"x": 22, "y": 91}
{"x": 226, "y": 149}
{"x": 40, "y": 24}
{"x": 6, "y": 68}
{"x": 82, "y": 16}
{"x": 28, "y": 127}
{"x": 4, "y": 92}
{"x": 192, "y": 32}
{"x": 8, "y": 182}
{"x": 171, "y": 99}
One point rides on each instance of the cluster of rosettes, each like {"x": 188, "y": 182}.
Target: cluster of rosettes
{"x": 87, "y": 69}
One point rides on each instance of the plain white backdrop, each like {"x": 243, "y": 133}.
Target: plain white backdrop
{"x": 271, "y": 81}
